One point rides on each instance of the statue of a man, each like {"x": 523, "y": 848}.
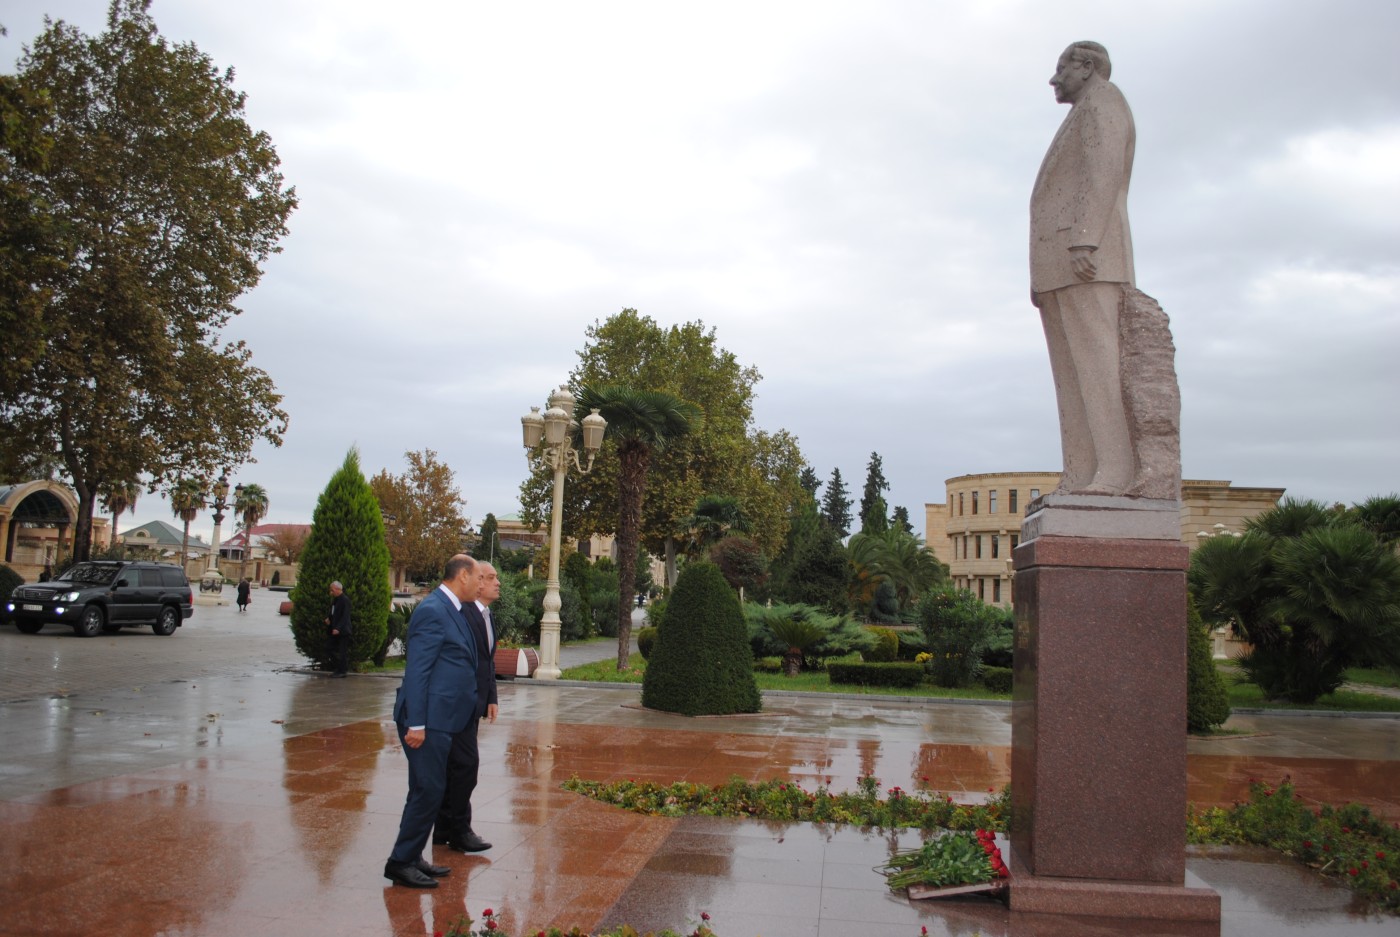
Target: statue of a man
{"x": 1081, "y": 263}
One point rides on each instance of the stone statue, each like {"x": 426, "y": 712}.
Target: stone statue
{"x": 1110, "y": 346}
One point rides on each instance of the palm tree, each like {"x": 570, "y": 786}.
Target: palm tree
{"x": 640, "y": 422}
{"x": 249, "y": 503}
{"x": 797, "y": 627}
{"x": 714, "y": 517}
{"x": 120, "y": 497}
{"x": 186, "y": 498}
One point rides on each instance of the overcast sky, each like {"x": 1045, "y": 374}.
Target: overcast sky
{"x": 839, "y": 188}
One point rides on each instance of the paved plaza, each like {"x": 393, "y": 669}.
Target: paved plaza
{"x": 201, "y": 785}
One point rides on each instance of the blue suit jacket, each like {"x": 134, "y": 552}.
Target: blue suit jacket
{"x": 439, "y": 688}
{"x": 486, "y": 663}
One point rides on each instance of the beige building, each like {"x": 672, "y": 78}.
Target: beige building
{"x": 978, "y": 525}
{"x": 36, "y": 526}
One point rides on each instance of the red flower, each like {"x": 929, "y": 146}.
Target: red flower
{"x": 1365, "y": 864}
{"x": 704, "y": 915}
{"x": 487, "y": 913}
{"x": 924, "y": 930}
{"x": 1307, "y": 844}
{"x": 1346, "y": 829}
{"x": 1380, "y": 855}
{"x": 1351, "y": 871}
{"x": 1003, "y": 872}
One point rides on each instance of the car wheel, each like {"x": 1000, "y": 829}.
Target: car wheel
{"x": 166, "y": 622}
{"x": 29, "y": 627}
{"x": 91, "y": 622}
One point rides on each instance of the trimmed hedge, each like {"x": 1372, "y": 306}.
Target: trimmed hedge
{"x": 1207, "y": 699}
{"x": 896, "y": 674}
{"x": 997, "y": 679}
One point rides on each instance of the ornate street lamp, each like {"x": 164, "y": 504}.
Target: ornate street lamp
{"x": 219, "y": 502}
{"x": 552, "y": 428}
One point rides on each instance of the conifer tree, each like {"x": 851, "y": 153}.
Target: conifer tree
{"x": 346, "y": 545}
{"x": 702, "y": 663}
{"x": 836, "y": 506}
{"x": 874, "y": 484}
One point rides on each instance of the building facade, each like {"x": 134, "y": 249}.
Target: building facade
{"x": 978, "y": 525}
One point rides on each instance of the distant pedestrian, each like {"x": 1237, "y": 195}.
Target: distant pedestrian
{"x": 46, "y": 574}
{"x": 244, "y": 588}
{"x": 338, "y": 624}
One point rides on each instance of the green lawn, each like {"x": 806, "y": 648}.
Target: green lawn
{"x": 1374, "y": 677}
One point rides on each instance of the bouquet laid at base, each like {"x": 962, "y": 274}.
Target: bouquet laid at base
{"x": 951, "y": 860}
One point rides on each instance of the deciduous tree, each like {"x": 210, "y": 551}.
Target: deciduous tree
{"x": 727, "y": 456}
{"x": 422, "y": 514}
{"x": 168, "y": 205}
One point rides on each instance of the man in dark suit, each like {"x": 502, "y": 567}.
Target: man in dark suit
{"x": 338, "y": 626}
{"x": 1081, "y": 262}
{"x": 454, "y": 822}
{"x": 437, "y": 700}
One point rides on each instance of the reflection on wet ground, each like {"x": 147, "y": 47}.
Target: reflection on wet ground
{"x": 266, "y": 803}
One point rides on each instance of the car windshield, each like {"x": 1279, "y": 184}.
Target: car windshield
{"x": 89, "y": 572}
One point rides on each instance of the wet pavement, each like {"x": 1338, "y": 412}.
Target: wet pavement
{"x": 196, "y": 785}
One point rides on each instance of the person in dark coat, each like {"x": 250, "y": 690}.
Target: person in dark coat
{"x": 244, "y": 588}
{"x": 338, "y": 625}
{"x": 436, "y": 701}
{"x": 454, "y": 823}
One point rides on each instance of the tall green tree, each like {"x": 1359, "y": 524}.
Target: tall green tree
{"x": 32, "y": 251}
{"x": 809, "y": 481}
{"x": 488, "y": 542}
{"x": 168, "y": 205}
{"x": 1380, "y": 514}
{"x": 875, "y": 486}
{"x": 250, "y": 505}
{"x": 836, "y": 506}
{"x": 640, "y": 423}
{"x": 346, "y": 544}
{"x": 728, "y": 455}
{"x": 714, "y": 516}
{"x": 899, "y": 520}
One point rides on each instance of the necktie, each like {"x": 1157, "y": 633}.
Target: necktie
{"x": 490, "y": 629}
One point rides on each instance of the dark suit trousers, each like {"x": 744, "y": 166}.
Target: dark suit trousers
{"x": 339, "y": 645}
{"x": 427, "y": 778}
{"x": 454, "y": 820}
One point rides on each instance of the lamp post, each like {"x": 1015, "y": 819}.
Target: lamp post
{"x": 220, "y": 493}
{"x": 552, "y": 428}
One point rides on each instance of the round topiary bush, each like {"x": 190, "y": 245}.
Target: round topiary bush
{"x": 886, "y": 645}
{"x": 703, "y": 666}
{"x": 646, "y": 640}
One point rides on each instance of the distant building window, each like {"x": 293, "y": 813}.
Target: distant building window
{"x": 960, "y": 503}
{"x": 1011, "y": 497}
{"x": 992, "y": 501}
{"x": 982, "y": 589}
{"x": 974, "y": 502}
{"x": 1035, "y": 493}
{"x": 996, "y": 545}
{"x": 979, "y": 546}
{"x": 996, "y": 590}
{"x": 1015, "y": 539}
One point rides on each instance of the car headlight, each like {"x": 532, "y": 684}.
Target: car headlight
{"x": 58, "y": 610}
{"x": 10, "y": 607}
{"x": 68, "y": 597}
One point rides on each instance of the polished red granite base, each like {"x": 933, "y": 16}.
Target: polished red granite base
{"x": 1098, "y": 763}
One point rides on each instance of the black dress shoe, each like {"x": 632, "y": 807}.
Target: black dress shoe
{"x": 427, "y": 868}
{"x": 407, "y": 873}
{"x": 469, "y": 843}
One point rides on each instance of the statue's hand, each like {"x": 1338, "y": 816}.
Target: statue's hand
{"x": 1082, "y": 263}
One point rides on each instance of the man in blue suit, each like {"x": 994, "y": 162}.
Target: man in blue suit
{"x": 437, "y": 700}
{"x": 454, "y": 822}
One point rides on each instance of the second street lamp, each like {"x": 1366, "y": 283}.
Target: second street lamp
{"x": 552, "y": 429}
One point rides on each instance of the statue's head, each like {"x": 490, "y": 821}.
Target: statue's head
{"x": 1080, "y": 65}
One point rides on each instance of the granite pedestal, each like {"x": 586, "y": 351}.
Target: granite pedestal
{"x": 1098, "y": 765}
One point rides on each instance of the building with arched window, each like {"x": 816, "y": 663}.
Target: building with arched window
{"x": 36, "y": 526}
{"x": 979, "y": 523}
